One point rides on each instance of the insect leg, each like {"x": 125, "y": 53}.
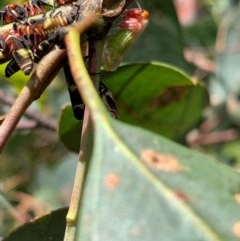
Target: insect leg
{"x": 107, "y": 99}
{"x": 76, "y": 100}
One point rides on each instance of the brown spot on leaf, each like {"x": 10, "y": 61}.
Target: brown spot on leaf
{"x": 237, "y": 198}
{"x": 111, "y": 180}
{"x": 135, "y": 231}
{"x": 170, "y": 95}
{"x": 181, "y": 196}
{"x": 161, "y": 161}
{"x": 236, "y": 229}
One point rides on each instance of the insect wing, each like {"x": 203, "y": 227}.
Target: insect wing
{"x": 115, "y": 47}
{"x": 121, "y": 40}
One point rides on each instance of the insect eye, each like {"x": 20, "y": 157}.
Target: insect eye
{"x": 145, "y": 14}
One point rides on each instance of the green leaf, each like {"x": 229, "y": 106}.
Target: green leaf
{"x": 140, "y": 186}
{"x": 18, "y": 80}
{"x": 231, "y": 150}
{"x": 158, "y": 97}
{"x": 69, "y": 129}
{"x": 49, "y": 227}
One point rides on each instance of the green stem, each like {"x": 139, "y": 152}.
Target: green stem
{"x": 83, "y": 80}
{"x": 88, "y": 92}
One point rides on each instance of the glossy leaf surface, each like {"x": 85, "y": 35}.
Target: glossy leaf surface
{"x": 158, "y": 97}
{"x": 43, "y": 228}
{"x": 69, "y": 129}
{"x": 143, "y": 187}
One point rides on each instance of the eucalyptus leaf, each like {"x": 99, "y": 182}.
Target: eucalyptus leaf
{"x": 158, "y": 97}
{"x": 49, "y": 227}
{"x": 141, "y": 186}
{"x": 69, "y": 129}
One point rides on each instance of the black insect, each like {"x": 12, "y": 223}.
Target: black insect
{"x": 76, "y": 100}
{"x": 27, "y": 58}
{"x": 107, "y": 99}
{"x": 12, "y": 13}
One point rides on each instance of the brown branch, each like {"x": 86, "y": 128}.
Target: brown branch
{"x": 195, "y": 138}
{"x": 41, "y": 78}
{"x": 38, "y": 118}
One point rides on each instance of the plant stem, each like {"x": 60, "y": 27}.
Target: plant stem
{"x": 82, "y": 79}
{"x": 95, "y": 53}
{"x": 38, "y": 82}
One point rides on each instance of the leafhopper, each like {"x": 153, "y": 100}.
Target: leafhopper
{"x": 134, "y": 21}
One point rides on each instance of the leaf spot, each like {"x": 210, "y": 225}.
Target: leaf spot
{"x": 237, "y": 198}
{"x": 162, "y": 162}
{"x": 135, "y": 231}
{"x": 171, "y": 95}
{"x": 181, "y": 196}
{"x": 112, "y": 180}
{"x": 236, "y": 229}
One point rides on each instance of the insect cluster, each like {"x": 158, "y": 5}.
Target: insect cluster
{"x": 26, "y": 41}
{"x": 30, "y": 37}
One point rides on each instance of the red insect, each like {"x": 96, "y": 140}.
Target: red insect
{"x": 19, "y": 13}
{"x": 12, "y": 13}
{"x": 63, "y": 2}
{"x": 25, "y": 44}
{"x": 134, "y": 21}
{"x": 35, "y": 7}
{"x": 12, "y": 47}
